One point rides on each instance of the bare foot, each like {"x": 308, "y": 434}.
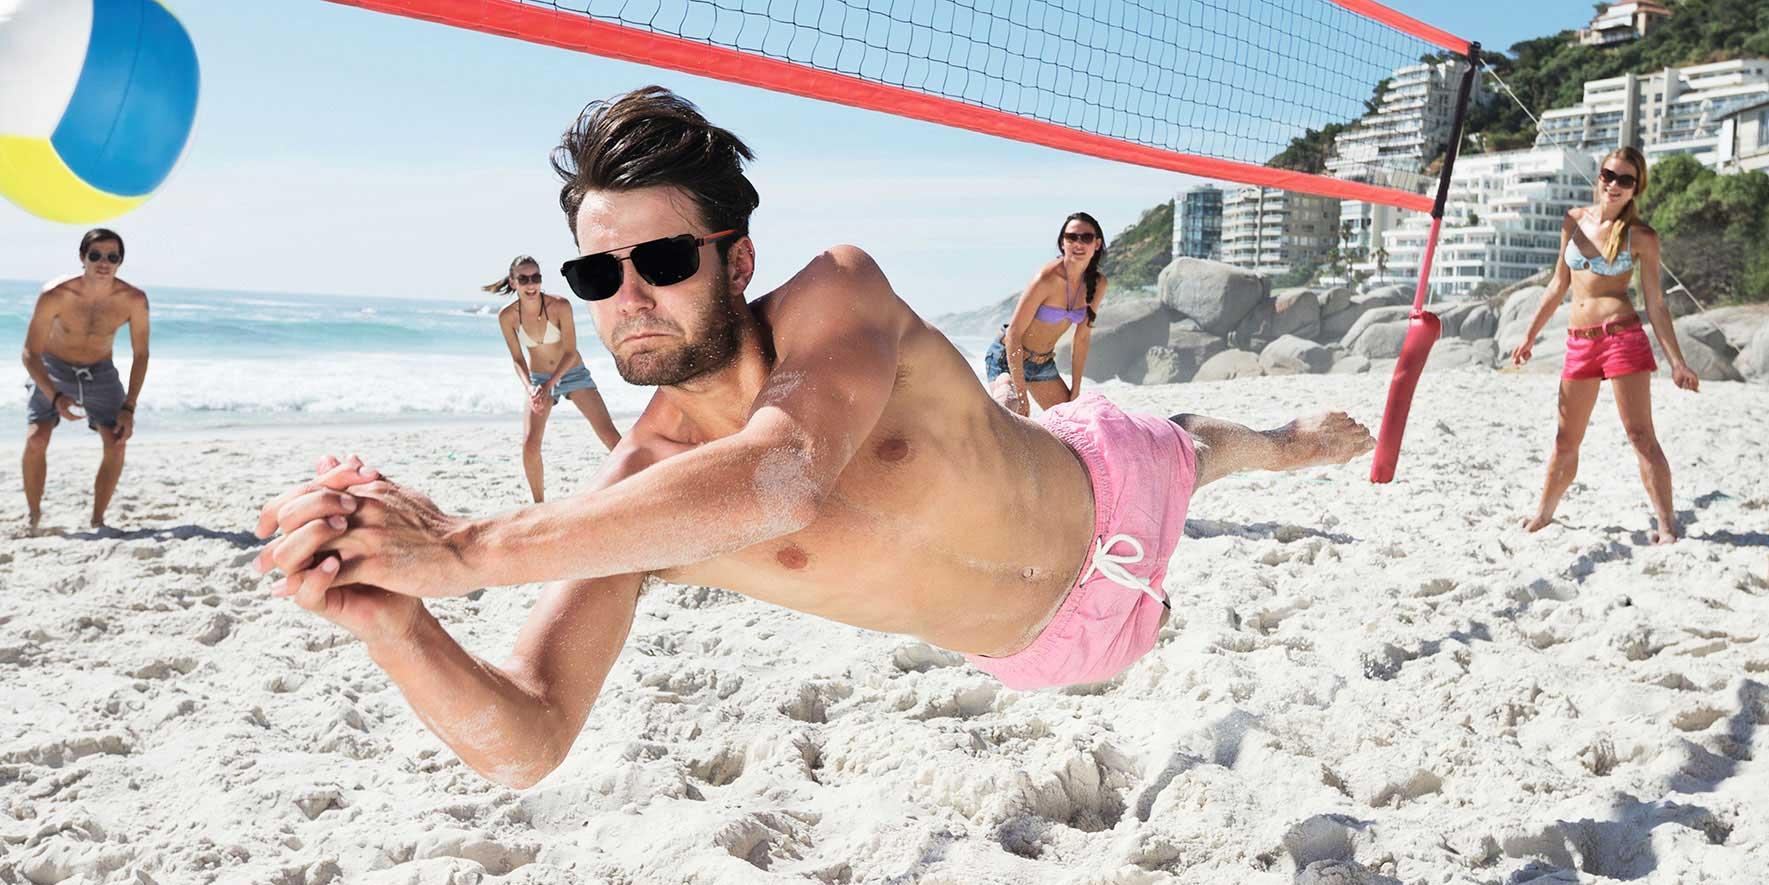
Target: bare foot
{"x": 35, "y": 518}
{"x": 1537, "y": 524}
{"x": 1666, "y": 536}
{"x": 1329, "y": 438}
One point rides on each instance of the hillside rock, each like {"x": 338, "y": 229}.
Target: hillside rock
{"x": 1217, "y": 296}
{"x": 1293, "y": 355}
{"x": 1230, "y": 364}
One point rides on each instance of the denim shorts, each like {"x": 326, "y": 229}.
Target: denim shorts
{"x": 576, "y": 379}
{"x": 995, "y": 364}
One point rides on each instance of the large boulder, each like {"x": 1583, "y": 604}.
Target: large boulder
{"x": 1707, "y": 363}
{"x": 1180, "y": 358}
{"x": 1380, "y": 341}
{"x": 1481, "y": 322}
{"x": 1460, "y": 353}
{"x": 1382, "y": 296}
{"x": 1293, "y": 355}
{"x": 1336, "y": 299}
{"x": 1521, "y": 304}
{"x": 1699, "y": 327}
{"x": 1370, "y": 318}
{"x": 1297, "y": 312}
{"x": 1519, "y": 312}
{"x": 1257, "y": 329}
{"x": 1455, "y": 316}
{"x": 1335, "y": 326}
{"x": 1349, "y": 364}
{"x": 1753, "y": 357}
{"x": 1230, "y": 364}
{"x": 1739, "y": 323}
{"x": 1123, "y": 333}
{"x": 1214, "y": 294}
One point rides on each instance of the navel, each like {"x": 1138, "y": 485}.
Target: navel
{"x": 792, "y": 557}
{"x": 893, "y": 450}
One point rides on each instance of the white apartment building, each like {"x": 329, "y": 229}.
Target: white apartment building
{"x": 1272, "y": 231}
{"x": 1501, "y": 224}
{"x": 1623, "y": 22}
{"x": 1673, "y": 111}
{"x": 1408, "y": 127}
{"x": 1391, "y": 146}
{"x": 1744, "y": 140}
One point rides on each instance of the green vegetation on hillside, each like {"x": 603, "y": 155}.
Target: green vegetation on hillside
{"x": 1135, "y": 256}
{"x": 1711, "y": 228}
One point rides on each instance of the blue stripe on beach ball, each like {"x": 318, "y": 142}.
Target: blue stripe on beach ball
{"x": 132, "y": 110}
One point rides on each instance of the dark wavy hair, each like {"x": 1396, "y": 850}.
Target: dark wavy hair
{"x": 652, "y": 137}
{"x": 1092, "y": 273}
{"x": 99, "y": 235}
{"x": 504, "y": 286}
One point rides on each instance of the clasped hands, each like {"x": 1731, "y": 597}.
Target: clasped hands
{"x": 354, "y": 544}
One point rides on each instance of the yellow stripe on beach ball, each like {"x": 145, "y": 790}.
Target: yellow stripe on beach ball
{"x": 33, "y": 176}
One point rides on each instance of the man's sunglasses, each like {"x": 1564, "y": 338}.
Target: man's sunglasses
{"x": 660, "y": 262}
{"x": 96, "y": 256}
{"x": 1619, "y": 179}
{"x": 528, "y": 279}
{"x": 1085, "y": 238}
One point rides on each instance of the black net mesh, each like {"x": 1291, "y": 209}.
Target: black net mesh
{"x": 1240, "y": 80}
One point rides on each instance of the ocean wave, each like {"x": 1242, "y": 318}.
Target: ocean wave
{"x": 376, "y": 385}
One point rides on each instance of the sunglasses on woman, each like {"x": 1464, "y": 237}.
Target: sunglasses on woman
{"x": 1620, "y": 179}
{"x": 665, "y": 261}
{"x": 1085, "y": 238}
{"x": 528, "y": 279}
{"x": 96, "y": 256}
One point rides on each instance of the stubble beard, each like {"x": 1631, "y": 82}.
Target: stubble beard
{"x": 710, "y": 345}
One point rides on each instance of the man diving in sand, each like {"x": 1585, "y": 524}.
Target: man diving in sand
{"x": 821, "y": 448}
{"x": 68, "y": 355}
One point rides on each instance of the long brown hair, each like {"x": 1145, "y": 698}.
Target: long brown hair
{"x": 1630, "y": 215}
{"x": 1091, "y": 275}
{"x": 504, "y": 286}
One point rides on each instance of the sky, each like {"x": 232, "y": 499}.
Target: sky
{"x": 348, "y": 152}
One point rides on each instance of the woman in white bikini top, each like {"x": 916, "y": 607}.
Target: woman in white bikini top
{"x": 549, "y": 365}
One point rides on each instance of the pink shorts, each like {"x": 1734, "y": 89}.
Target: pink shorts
{"x": 1611, "y": 356}
{"x": 1143, "y": 470}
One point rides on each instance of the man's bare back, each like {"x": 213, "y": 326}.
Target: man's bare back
{"x": 923, "y": 532}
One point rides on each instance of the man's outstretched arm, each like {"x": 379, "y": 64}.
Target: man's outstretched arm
{"x": 835, "y": 335}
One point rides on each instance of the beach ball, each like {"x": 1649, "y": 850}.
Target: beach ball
{"x": 96, "y": 103}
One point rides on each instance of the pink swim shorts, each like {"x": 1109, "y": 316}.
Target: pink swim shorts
{"x": 1610, "y": 356}
{"x": 1143, "y": 470}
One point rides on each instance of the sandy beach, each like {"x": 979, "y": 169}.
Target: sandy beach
{"x": 1360, "y": 684}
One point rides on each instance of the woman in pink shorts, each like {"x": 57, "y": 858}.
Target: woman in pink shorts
{"x": 1600, "y": 246}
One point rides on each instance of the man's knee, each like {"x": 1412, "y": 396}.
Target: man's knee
{"x": 37, "y": 437}
{"x": 531, "y": 444}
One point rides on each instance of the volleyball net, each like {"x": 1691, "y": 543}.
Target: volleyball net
{"x": 1236, "y": 90}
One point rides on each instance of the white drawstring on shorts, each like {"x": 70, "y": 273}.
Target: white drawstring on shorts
{"x": 1113, "y": 565}
{"x": 82, "y": 375}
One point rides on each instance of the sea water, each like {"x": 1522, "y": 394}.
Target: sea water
{"x": 223, "y": 358}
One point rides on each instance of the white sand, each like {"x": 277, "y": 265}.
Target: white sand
{"x": 1392, "y": 676}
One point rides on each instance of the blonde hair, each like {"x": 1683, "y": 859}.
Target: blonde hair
{"x": 1630, "y": 215}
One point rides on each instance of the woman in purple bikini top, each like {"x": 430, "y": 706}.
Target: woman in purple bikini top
{"x": 1066, "y": 292}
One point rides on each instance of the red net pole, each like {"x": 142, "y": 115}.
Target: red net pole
{"x": 1423, "y": 326}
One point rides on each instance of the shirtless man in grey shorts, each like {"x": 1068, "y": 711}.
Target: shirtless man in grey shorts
{"x": 68, "y": 355}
